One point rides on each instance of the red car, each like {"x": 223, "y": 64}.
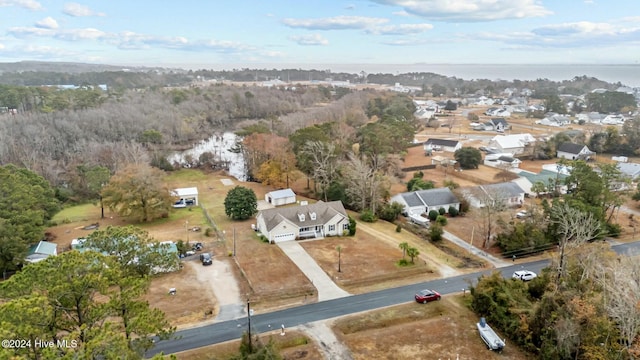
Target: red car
{"x": 427, "y": 295}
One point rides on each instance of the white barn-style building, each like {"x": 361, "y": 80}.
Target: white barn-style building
{"x": 280, "y": 197}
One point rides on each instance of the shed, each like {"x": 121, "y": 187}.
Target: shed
{"x": 280, "y": 197}
{"x": 41, "y": 251}
{"x": 186, "y": 195}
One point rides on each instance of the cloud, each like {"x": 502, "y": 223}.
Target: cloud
{"x": 576, "y": 28}
{"x": 78, "y": 10}
{"x": 47, "y": 23}
{"x": 314, "y": 39}
{"x": 334, "y": 23}
{"x": 401, "y": 13}
{"x": 470, "y": 10}
{"x": 403, "y": 29}
{"x": 581, "y": 34}
{"x": 350, "y": 7}
{"x": 27, "y": 4}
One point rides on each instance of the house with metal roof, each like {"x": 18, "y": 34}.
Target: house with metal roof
{"x": 317, "y": 220}
{"x": 510, "y": 194}
{"x": 514, "y": 144}
{"x": 629, "y": 170}
{"x": 423, "y": 201}
{"x": 41, "y": 251}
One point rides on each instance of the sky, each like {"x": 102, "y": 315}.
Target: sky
{"x": 225, "y": 34}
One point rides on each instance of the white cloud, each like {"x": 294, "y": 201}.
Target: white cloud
{"x": 47, "y": 23}
{"x": 470, "y": 10}
{"x": 576, "y": 28}
{"x": 78, "y": 10}
{"x": 402, "y": 29}
{"x": 567, "y": 35}
{"x": 27, "y": 4}
{"x": 334, "y": 23}
{"x": 401, "y": 13}
{"x": 313, "y": 39}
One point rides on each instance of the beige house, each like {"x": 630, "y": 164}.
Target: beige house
{"x": 315, "y": 220}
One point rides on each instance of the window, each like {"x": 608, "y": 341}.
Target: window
{"x": 305, "y": 229}
{"x": 345, "y": 226}
{"x": 332, "y": 228}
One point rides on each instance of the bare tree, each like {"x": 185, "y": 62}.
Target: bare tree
{"x": 573, "y": 228}
{"x": 324, "y": 160}
{"x": 365, "y": 180}
{"x": 622, "y": 289}
{"x": 490, "y": 204}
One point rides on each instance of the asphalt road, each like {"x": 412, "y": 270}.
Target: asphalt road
{"x": 233, "y": 329}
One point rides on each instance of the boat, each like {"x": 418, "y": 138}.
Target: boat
{"x": 493, "y": 341}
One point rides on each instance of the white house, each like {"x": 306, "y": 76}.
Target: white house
{"x": 509, "y": 193}
{"x": 502, "y": 161}
{"x": 187, "y": 195}
{"x": 629, "y": 170}
{"x": 514, "y": 144}
{"x": 315, "y": 220}
{"x": 280, "y": 197}
{"x": 41, "y": 251}
{"x": 573, "y": 151}
{"x": 497, "y": 124}
{"x": 423, "y": 201}
{"x": 441, "y": 144}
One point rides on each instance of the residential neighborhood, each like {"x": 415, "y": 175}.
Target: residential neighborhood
{"x": 409, "y": 189}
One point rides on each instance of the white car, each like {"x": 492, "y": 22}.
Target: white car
{"x": 524, "y": 275}
{"x": 522, "y": 214}
{"x": 179, "y": 204}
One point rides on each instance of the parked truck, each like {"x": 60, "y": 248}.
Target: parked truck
{"x": 489, "y": 336}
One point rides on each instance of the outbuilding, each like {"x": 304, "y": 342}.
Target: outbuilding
{"x": 189, "y": 196}
{"x": 280, "y": 197}
{"x": 41, "y": 251}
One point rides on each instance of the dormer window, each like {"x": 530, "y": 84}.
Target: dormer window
{"x": 312, "y": 216}
{"x": 301, "y": 217}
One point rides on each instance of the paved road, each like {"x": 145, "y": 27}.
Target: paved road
{"x": 233, "y": 329}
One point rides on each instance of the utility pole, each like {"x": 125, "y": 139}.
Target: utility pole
{"x": 234, "y": 241}
{"x": 339, "y": 251}
{"x": 249, "y": 325}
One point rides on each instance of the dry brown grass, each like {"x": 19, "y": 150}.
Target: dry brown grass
{"x": 293, "y": 345}
{"x": 440, "y": 330}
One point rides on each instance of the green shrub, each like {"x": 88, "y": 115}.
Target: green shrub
{"x": 403, "y": 262}
{"x": 433, "y": 215}
{"x": 352, "y": 226}
{"x": 453, "y": 211}
{"x": 435, "y": 232}
{"x": 368, "y": 216}
{"x": 442, "y": 211}
{"x": 442, "y": 220}
{"x": 398, "y": 228}
{"x": 208, "y": 232}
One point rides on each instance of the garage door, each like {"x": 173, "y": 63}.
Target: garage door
{"x": 284, "y": 237}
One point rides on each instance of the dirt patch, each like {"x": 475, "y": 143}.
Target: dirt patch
{"x": 193, "y": 301}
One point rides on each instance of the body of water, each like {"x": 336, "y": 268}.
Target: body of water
{"x": 626, "y": 74}
{"x": 219, "y": 145}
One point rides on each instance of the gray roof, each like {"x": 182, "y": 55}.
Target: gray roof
{"x": 571, "y": 148}
{"x": 280, "y": 194}
{"x": 431, "y": 197}
{"x": 324, "y": 211}
{"x": 630, "y": 169}
{"x": 509, "y": 189}
{"x": 442, "y": 142}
